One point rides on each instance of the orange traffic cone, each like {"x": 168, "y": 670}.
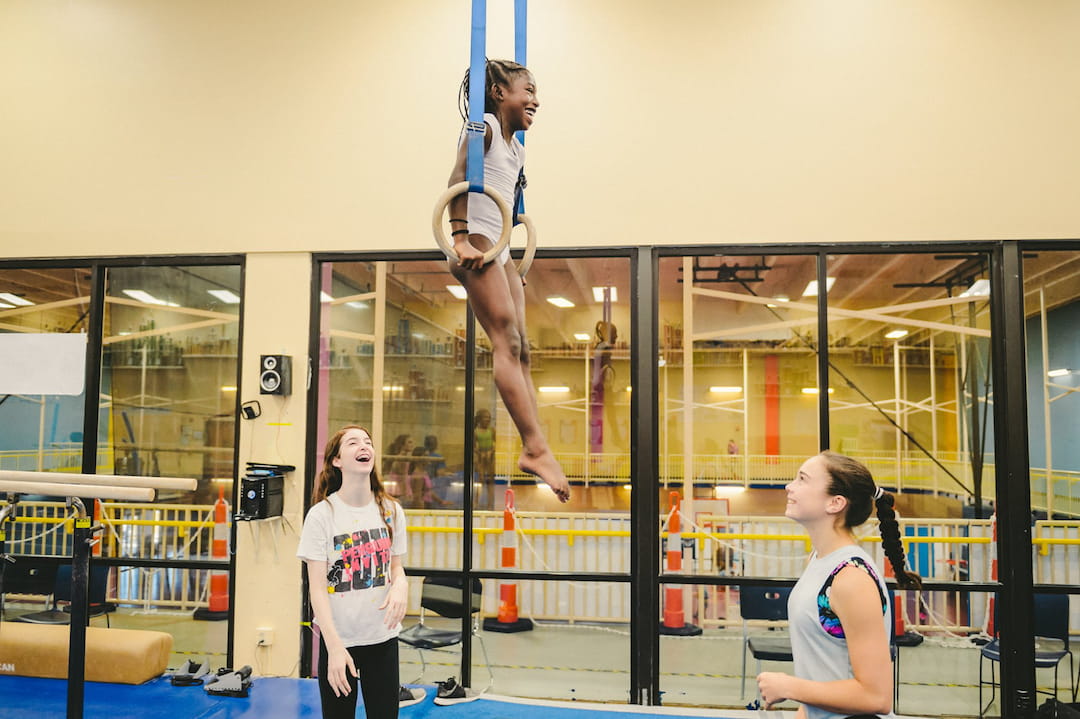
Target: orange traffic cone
{"x": 218, "y": 608}
{"x": 674, "y": 618}
{"x": 508, "y": 620}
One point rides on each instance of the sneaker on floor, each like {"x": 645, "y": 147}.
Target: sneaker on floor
{"x": 408, "y": 696}
{"x": 450, "y": 692}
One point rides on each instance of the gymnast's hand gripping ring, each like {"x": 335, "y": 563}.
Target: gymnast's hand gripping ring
{"x": 504, "y": 237}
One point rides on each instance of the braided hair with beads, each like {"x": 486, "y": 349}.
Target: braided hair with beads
{"x": 851, "y": 479}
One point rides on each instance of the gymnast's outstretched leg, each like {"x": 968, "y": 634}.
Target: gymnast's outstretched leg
{"x": 497, "y": 298}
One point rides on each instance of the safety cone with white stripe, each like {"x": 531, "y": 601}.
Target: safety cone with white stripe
{"x": 508, "y": 620}
{"x": 674, "y": 617}
{"x": 218, "y": 608}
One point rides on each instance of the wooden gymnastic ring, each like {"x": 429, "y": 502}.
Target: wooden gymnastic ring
{"x": 444, "y": 201}
{"x": 530, "y": 245}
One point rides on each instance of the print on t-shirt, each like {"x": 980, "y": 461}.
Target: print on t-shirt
{"x": 364, "y": 563}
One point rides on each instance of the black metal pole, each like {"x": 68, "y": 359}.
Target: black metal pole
{"x": 467, "y": 497}
{"x": 80, "y": 586}
{"x": 644, "y": 467}
{"x": 1013, "y": 507}
{"x": 824, "y": 436}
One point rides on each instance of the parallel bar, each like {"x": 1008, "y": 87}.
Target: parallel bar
{"x": 49, "y": 489}
{"x": 111, "y": 480}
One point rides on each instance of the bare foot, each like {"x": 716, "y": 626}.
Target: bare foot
{"x": 547, "y": 468}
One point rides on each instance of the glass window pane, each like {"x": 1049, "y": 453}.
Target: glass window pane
{"x": 168, "y": 395}
{"x": 578, "y": 333}
{"x": 741, "y": 414}
{"x": 392, "y": 359}
{"x": 1052, "y": 309}
{"x": 43, "y": 432}
{"x": 577, "y": 646}
{"x": 909, "y": 377}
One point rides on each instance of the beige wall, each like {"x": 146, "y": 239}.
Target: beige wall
{"x": 134, "y": 128}
{"x": 266, "y": 584}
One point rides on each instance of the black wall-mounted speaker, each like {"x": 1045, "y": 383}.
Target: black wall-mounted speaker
{"x": 275, "y": 374}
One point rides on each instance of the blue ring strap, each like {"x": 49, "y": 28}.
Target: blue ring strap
{"x": 474, "y": 166}
{"x": 521, "y": 11}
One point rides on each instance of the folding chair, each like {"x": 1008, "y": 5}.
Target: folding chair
{"x": 1051, "y": 623}
{"x": 442, "y": 595}
{"x": 769, "y": 604}
{"x": 97, "y": 606}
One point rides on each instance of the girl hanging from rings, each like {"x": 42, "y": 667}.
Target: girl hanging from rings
{"x": 839, "y": 611}
{"x": 496, "y": 290}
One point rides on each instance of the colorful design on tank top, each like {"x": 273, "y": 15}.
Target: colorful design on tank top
{"x": 826, "y": 616}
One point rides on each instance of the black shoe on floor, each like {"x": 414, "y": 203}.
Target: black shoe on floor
{"x": 408, "y": 697}
{"x": 450, "y": 692}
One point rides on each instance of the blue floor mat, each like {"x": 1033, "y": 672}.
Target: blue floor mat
{"x": 25, "y": 697}
{"x": 273, "y": 697}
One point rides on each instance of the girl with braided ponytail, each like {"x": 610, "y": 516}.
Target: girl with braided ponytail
{"x": 496, "y": 290}
{"x": 839, "y": 611}
{"x": 352, "y": 543}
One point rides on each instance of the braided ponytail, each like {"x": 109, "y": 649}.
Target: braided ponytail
{"x": 851, "y": 479}
{"x": 890, "y": 542}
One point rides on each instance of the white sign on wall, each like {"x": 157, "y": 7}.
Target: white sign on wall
{"x": 42, "y": 363}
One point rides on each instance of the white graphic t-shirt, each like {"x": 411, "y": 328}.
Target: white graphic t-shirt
{"x": 355, "y": 544}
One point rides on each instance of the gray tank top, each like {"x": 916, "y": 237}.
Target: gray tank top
{"x": 817, "y": 637}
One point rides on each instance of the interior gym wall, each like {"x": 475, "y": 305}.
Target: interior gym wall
{"x": 135, "y": 128}
{"x": 280, "y": 129}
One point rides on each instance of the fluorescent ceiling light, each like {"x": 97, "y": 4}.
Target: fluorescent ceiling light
{"x": 392, "y": 388}
{"x": 722, "y": 490}
{"x": 582, "y": 336}
{"x": 598, "y": 293}
{"x": 725, "y": 390}
{"x": 552, "y": 389}
{"x": 560, "y": 301}
{"x": 147, "y": 298}
{"x": 815, "y": 390}
{"x": 896, "y": 334}
{"x": 357, "y": 305}
{"x": 811, "y": 287}
{"x": 1058, "y": 373}
{"x": 14, "y": 299}
{"x": 457, "y": 291}
{"x": 323, "y": 297}
{"x": 227, "y": 388}
{"x": 5, "y": 306}
{"x": 980, "y": 288}
{"x": 227, "y": 296}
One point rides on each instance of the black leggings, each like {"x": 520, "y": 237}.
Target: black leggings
{"x": 377, "y": 665}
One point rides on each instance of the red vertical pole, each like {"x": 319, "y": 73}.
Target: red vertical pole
{"x": 772, "y": 405}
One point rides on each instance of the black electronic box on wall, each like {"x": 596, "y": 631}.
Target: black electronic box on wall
{"x": 262, "y": 491}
